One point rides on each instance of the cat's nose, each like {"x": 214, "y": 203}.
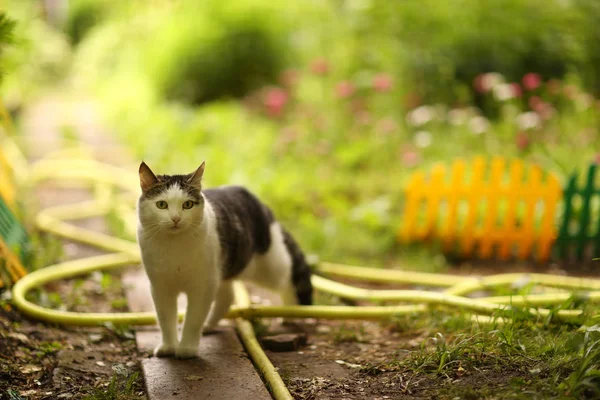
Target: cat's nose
{"x": 176, "y": 219}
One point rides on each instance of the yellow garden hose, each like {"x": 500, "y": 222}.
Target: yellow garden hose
{"x": 73, "y": 167}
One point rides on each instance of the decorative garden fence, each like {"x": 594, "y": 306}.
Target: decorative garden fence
{"x": 579, "y": 234}
{"x": 494, "y": 212}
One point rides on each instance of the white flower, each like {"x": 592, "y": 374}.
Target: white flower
{"x": 491, "y": 80}
{"x": 422, "y": 139}
{"x": 457, "y": 116}
{"x": 503, "y": 92}
{"x": 420, "y": 115}
{"x": 478, "y": 125}
{"x": 528, "y": 120}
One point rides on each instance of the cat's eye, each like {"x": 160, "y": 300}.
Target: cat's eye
{"x": 188, "y": 204}
{"x": 162, "y": 205}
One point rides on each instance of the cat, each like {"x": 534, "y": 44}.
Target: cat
{"x": 197, "y": 241}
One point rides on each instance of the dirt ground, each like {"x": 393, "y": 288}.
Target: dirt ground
{"x": 40, "y": 361}
{"x": 358, "y": 360}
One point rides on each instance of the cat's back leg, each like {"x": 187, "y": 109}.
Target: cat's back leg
{"x": 221, "y": 305}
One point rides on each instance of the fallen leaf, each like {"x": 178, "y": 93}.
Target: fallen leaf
{"x": 351, "y": 365}
{"x": 96, "y": 337}
{"x": 30, "y": 368}
{"x": 19, "y": 336}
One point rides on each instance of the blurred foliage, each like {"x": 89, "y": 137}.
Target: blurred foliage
{"x": 214, "y": 49}
{"x": 6, "y": 36}
{"x": 40, "y": 57}
{"x": 83, "y": 15}
{"x": 445, "y": 45}
{"x": 324, "y": 108}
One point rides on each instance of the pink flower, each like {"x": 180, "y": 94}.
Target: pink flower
{"x": 531, "y": 81}
{"x": 522, "y": 141}
{"x": 358, "y": 105}
{"x": 516, "y": 90}
{"x": 387, "y": 125}
{"x": 344, "y": 89}
{"x": 535, "y": 103}
{"x": 547, "y": 111}
{"x": 363, "y": 118}
{"x": 410, "y": 158}
{"x": 382, "y": 82}
{"x": 319, "y": 66}
{"x": 289, "y": 77}
{"x": 275, "y": 101}
{"x": 478, "y": 84}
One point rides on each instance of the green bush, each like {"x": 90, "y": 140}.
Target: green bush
{"x": 444, "y": 46}
{"x": 83, "y": 15}
{"x": 217, "y": 49}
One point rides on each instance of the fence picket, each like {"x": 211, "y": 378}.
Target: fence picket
{"x": 494, "y": 188}
{"x": 411, "y": 210}
{"x": 437, "y": 187}
{"x": 449, "y": 226}
{"x": 584, "y": 217}
{"x": 476, "y": 187}
{"x": 547, "y": 234}
{"x": 510, "y": 229}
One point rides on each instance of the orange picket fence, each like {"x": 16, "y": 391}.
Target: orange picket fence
{"x": 496, "y": 210}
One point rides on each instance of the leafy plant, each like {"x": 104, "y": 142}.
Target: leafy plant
{"x": 7, "y": 26}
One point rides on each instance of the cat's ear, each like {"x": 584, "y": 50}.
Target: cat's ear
{"x": 196, "y": 178}
{"x": 147, "y": 177}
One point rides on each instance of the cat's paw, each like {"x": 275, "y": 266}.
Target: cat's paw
{"x": 185, "y": 352}
{"x": 164, "y": 351}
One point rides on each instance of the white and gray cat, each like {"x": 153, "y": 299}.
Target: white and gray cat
{"x": 196, "y": 242}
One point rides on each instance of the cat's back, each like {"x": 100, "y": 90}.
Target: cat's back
{"x": 238, "y": 201}
{"x": 243, "y": 225}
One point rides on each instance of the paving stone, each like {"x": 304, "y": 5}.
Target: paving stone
{"x": 223, "y": 371}
{"x": 284, "y": 341}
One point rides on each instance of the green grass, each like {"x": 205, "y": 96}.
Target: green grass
{"x": 520, "y": 359}
{"x": 121, "y": 387}
{"x": 344, "y": 334}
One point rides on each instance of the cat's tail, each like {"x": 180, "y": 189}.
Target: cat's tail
{"x": 301, "y": 272}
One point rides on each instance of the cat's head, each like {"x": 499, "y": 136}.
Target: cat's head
{"x": 170, "y": 203}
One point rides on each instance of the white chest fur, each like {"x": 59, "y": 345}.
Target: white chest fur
{"x": 179, "y": 261}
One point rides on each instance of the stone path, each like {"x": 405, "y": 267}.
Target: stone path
{"x": 224, "y": 370}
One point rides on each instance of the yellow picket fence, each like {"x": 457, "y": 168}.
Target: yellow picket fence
{"x": 484, "y": 211}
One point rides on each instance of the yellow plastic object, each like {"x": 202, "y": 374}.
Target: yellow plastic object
{"x": 485, "y": 211}
{"x": 12, "y": 233}
{"x": 7, "y": 185}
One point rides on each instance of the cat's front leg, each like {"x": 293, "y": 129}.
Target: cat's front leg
{"x": 198, "y": 306}
{"x": 165, "y": 303}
